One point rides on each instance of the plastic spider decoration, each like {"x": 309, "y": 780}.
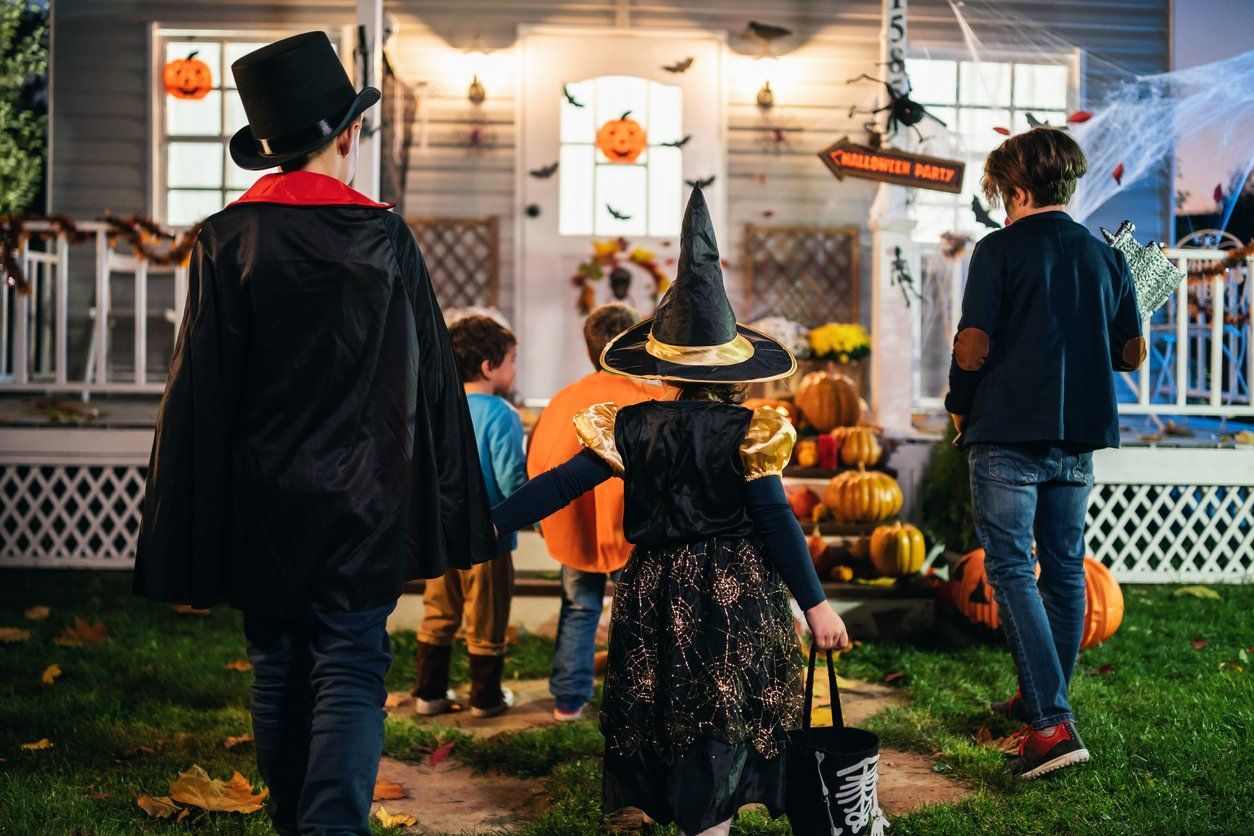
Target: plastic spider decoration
{"x": 901, "y": 277}
{"x": 902, "y": 110}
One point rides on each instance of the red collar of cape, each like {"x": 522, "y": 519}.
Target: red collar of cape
{"x": 306, "y": 188}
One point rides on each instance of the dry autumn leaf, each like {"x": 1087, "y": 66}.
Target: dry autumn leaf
{"x": 240, "y": 664}
{"x": 188, "y": 609}
{"x": 9, "y": 635}
{"x": 388, "y": 790}
{"x": 82, "y": 633}
{"x": 394, "y": 819}
{"x": 440, "y": 754}
{"x": 136, "y": 750}
{"x": 99, "y": 796}
{"x": 37, "y": 613}
{"x": 1198, "y": 644}
{"x": 1104, "y": 670}
{"x": 232, "y": 742}
{"x": 161, "y": 807}
{"x": 41, "y": 743}
{"x": 50, "y": 674}
{"x": 894, "y": 677}
{"x": 196, "y": 789}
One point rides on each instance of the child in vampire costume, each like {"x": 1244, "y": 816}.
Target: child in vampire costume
{"x": 703, "y": 680}
{"x": 314, "y": 449}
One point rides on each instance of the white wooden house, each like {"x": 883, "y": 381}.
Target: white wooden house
{"x": 485, "y": 98}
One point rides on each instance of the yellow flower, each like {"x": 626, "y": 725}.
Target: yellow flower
{"x": 640, "y": 255}
{"x": 605, "y": 248}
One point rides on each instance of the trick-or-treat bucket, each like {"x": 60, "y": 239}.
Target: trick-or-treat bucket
{"x": 832, "y": 772}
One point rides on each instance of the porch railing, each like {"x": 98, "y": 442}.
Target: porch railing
{"x": 36, "y": 328}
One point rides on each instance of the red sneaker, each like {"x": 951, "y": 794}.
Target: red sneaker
{"x": 1013, "y": 708}
{"x": 1040, "y": 753}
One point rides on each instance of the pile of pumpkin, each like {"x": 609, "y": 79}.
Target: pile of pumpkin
{"x": 972, "y": 596}
{"x": 828, "y": 404}
{"x": 892, "y": 551}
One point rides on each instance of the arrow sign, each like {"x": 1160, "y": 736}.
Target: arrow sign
{"x": 890, "y": 166}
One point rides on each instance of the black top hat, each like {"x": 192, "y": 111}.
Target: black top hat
{"x": 297, "y": 97}
{"x": 694, "y": 336}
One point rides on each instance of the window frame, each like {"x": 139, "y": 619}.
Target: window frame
{"x": 159, "y": 139}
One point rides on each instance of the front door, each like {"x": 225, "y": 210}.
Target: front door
{"x": 629, "y": 117}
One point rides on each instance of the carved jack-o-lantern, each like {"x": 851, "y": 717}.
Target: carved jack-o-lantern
{"x": 187, "y": 78}
{"x": 622, "y": 140}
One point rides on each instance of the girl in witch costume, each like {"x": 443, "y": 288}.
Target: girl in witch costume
{"x": 703, "y": 681}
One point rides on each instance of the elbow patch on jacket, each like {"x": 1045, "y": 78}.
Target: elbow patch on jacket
{"x": 1133, "y": 354}
{"x": 970, "y": 349}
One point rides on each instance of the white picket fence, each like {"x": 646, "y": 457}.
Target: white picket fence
{"x": 35, "y": 336}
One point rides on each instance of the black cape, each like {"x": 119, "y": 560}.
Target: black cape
{"x": 314, "y": 449}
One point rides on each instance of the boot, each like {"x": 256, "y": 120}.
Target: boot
{"x": 487, "y": 697}
{"x": 431, "y": 686}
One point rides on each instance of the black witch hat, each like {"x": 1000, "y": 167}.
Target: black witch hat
{"x": 694, "y": 336}
{"x": 297, "y": 97}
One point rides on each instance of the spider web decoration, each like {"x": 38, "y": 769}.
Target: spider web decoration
{"x": 804, "y": 273}
{"x": 462, "y": 257}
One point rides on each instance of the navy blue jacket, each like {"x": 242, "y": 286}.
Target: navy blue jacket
{"x": 1049, "y": 315}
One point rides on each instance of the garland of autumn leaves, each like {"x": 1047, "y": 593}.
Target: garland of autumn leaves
{"x": 139, "y": 232}
{"x": 1232, "y": 260}
{"x": 606, "y": 256}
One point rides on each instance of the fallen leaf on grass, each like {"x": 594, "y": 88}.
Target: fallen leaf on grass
{"x": 161, "y": 807}
{"x": 894, "y": 677}
{"x": 41, "y": 743}
{"x": 440, "y": 754}
{"x": 1007, "y": 745}
{"x": 240, "y": 664}
{"x": 1223, "y": 666}
{"x": 388, "y": 790}
{"x": 136, "y": 750}
{"x": 37, "y": 613}
{"x": 1103, "y": 670}
{"x": 1197, "y": 592}
{"x": 820, "y": 716}
{"x": 1198, "y": 644}
{"x": 9, "y": 635}
{"x": 394, "y": 819}
{"x": 196, "y": 789}
{"x": 188, "y": 609}
{"x": 232, "y": 742}
{"x": 99, "y": 796}
{"x": 50, "y": 674}
{"x": 82, "y": 633}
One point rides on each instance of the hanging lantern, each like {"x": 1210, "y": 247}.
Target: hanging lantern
{"x": 187, "y": 78}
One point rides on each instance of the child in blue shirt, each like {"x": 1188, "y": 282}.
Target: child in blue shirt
{"x": 486, "y": 352}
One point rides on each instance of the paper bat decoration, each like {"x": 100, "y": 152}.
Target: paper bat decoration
{"x": 569, "y": 98}
{"x": 679, "y": 66}
{"x": 1154, "y": 276}
{"x": 767, "y": 32}
{"x": 702, "y": 183}
{"x": 617, "y": 215}
{"x": 544, "y": 172}
{"x": 678, "y": 143}
{"x": 981, "y": 214}
{"x": 1034, "y": 122}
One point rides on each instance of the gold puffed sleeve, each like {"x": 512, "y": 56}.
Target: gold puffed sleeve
{"x": 595, "y": 428}
{"x": 768, "y": 444}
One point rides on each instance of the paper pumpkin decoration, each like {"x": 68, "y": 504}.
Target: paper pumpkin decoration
{"x": 622, "y": 140}
{"x": 187, "y": 78}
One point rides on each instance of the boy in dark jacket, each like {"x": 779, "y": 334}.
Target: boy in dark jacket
{"x": 314, "y": 449}
{"x": 1049, "y": 314}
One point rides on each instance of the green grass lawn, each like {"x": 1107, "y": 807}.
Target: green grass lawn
{"x": 1169, "y": 725}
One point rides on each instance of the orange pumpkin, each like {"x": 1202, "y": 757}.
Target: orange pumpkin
{"x": 622, "y": 140}
{"x": 897, "y": 550}
{"x": 803, "y": 502}
{"x": 858, "y": 446}
{"x": 785, "y": 408}
{"x": 828, "y": 400}
{"x": 1103, "y": 599}
{"x": 187, "y": 78}
{"x": 806, "y": 453}
{"x": 862, "y": 496}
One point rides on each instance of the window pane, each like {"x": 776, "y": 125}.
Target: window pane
{"x": 186, "y": 206}
{"x": 241, "y": 178}
{"x": 933, "y": 82}
{"x": 236, "y": 118}
{"x": 976, "y": 128}
{"x": 623, "y": 188}
{"x": 1041, "y": 86}
{"x": 666, "y": 176}
{"x": 575, "y": 176}
{"x": 578, "y": 124}
{"x": 984, "y": 83}
{"x": 194, "y": 117}
{"x": 208, "y": 51}
{"x": 616, "y": 94}
{"x": 665, "y": 113}
{"x": 194, "y": 164}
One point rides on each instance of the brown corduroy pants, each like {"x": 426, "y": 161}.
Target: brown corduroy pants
{"x": 480, "y": 596}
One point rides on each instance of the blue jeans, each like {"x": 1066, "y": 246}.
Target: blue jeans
{"x": 1016, "y": 492}
{"x": 318, "y": 697}
{"x": 582, "y": 596}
